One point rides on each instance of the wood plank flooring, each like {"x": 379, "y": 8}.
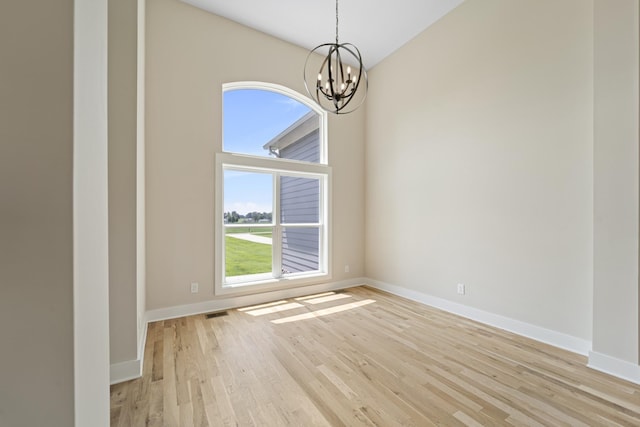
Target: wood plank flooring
{"x": 361, "y": 358}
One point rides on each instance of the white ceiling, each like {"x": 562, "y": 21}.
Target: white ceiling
{"x": 376, "y": 27}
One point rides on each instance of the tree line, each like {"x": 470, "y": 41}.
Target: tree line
{"x": 234, "y": 217}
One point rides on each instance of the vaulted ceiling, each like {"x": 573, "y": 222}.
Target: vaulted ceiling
{"x": 377, "y": 28}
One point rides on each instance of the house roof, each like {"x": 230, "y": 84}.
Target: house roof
{"x": 299, "y": 129}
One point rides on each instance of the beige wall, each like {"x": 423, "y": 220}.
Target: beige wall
{"x": 190, "y": 54}
{"x": 479, "y": 162}
{"x": 36, "y": 241}
{"x": 123, "y": 56}
{"x": 615, "y": 330}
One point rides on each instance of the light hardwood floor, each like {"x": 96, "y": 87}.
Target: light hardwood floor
{"x": 361, "y": 357}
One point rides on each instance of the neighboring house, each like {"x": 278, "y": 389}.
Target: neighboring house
{"x": 300, "y": 141}
{"x": 300, "y": 197}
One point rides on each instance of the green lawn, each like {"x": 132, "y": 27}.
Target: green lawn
{"x": 243, "y": 257}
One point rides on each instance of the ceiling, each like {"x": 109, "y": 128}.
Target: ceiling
{"x": 377, "y": 28}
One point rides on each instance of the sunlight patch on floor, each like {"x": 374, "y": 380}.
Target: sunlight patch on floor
{"x": 269, "y": 304}
{"x": 306, "y": 297}
{"x": 324, "y": 312}
{"x": 274, "y": 309}
{"x": 327, "y": 298}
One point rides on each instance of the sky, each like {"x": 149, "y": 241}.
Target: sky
{"x": 251, "y": 118}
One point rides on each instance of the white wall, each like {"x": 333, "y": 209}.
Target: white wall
{"x": 479, "y": 162}
{"x": 190, "y": 54}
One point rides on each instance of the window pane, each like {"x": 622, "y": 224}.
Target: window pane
{"x": 300, "y": 249}
{"x": 248, "y": 197}
{"x": 248, "y": 211}
{"x": 264, "y": 123}
{"x": 299, "y": 200}
{"x": 248, "y": 251}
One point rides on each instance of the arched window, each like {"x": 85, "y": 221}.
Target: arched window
{"x": 272, "y": 185}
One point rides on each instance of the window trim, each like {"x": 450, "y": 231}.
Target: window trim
{"x": 228, "y": 160}
{"x": 225, "y": 161}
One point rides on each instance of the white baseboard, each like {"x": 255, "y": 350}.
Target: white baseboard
{"x": 226, "y": 303}
{"x": 130, "y": 369}
{"x": 548, "y": 336}
{"x": 125, "y": 371}
{"x": 613, "y": 366}
{"x": 142, "y": 340}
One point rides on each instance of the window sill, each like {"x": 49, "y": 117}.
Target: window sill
{"x": 265, "y": 283}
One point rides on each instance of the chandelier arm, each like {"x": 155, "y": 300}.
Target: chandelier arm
{"x": 349, "y": 98}
{"x": 324, "y": 64}
{"x": 304, "y": 74}
{"x": 340, "y": 72}
{"x": 355, "y": 54}
{"x": 329, "y": 58}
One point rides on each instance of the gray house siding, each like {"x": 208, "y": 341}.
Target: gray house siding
{"x": 299, "y": 200}
{"x": 299, "y": 204}
{"x": 300, "y": 250}
{"x": 306, "y": 149}
{"x": 299, "y": 197}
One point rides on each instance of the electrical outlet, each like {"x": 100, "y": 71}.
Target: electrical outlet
{"x": 346, "y": 268}
{"x": 194, "y": 287}
{"x": 461, "y": 289}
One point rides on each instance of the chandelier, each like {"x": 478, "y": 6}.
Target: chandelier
{"x": 341, "y": 84}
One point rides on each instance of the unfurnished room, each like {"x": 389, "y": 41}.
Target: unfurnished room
{"x": 328, "y": 213}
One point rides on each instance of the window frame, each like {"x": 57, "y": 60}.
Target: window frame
{"x": 287, "y": 167}
{"x": 283, "y": 90}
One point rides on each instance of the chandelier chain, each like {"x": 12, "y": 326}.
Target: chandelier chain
{"x": 336, "y": 21}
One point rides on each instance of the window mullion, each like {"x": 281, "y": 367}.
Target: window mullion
{"x": 322, "y": 229}
{"x": 276, "y": 238}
